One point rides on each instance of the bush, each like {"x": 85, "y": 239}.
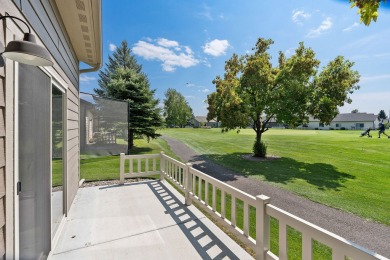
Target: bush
{"x": 316, "y": 128}
{"x": 342, "y": 128}
{"x": 259, "y": 149}
{"x": 331, "y": 128}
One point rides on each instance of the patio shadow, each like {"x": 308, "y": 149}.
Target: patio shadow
{"x": 201, "y": 237}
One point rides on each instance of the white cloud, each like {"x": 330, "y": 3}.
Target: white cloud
{"x": 169, "y": 56}
{"x": 206, "y": 90}
{"x": 112, "y": 47}
{"x": 289, "y": 51}
{"x": 299, "y": 15}
{"x": 206, "y": 12}
{"x": 355, "y": 24}
{"x": 85, "y": 78}
{"x": 216, "y": 47}
{"x": 325, "y": 25}
{"x": 373, "y": 78}
{"x": 167, "y": 43}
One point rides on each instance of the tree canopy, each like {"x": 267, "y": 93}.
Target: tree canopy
{"x": 354, "y": 111}
{"x": 382, "y": 115}
{"x": 253, "y": 92}
{"x": 368, "y": 9}
{"x": 177, "y": 111}
{"x": 123, "y": 79}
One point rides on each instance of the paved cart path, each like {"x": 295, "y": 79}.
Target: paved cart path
{"x": 369, "y": 234}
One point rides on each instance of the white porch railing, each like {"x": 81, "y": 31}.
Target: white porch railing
{"x": 205, "y": 191}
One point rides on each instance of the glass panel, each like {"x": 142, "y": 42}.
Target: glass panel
{"x": 34, "y": 163}
{"x": 57, "y": 156}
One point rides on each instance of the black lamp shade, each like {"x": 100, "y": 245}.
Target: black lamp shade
{"x": 28, "y": 52}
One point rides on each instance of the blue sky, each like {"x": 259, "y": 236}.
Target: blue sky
{"x": 184, "y": 44}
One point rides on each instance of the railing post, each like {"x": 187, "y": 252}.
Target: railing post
{"x": 188, "y": 184}
{"x": 262, "y": 227}
{"x": 162, "y": 166}
{"x": 122, "y": 169}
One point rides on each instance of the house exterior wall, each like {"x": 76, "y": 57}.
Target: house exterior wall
{"x": 46, "y": 26}
{"x": 2, "y": 152}
{"x": 339, "y": 125}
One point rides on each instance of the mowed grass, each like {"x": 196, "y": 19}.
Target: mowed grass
{"x": 336, "y": 168}
{"x": 107, "y": 167}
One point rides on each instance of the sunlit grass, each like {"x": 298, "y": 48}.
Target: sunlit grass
{"x": 336, "y": 168}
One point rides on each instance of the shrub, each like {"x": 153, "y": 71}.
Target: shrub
{"x": 342, "y": 128}
{"x": 331, "y": 128}
{"x": 316, "y": 128}
{"x": 259, "y": 149}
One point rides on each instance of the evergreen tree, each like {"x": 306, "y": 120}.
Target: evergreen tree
{"x": 123, "y": 79}
{"x": 382, "y": 115}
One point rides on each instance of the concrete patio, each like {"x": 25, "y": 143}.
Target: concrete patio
{"x": 144, "y": 220}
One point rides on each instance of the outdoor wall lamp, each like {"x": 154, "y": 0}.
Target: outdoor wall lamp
{"x": 26, "y": 51}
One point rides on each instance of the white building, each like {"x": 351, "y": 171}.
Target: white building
{"x": 347, "y": 121}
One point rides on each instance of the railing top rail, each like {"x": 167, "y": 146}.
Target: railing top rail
{"x": 317, "y": 232}
{"x": 226, "y": 187}
{"x": 141, "y": 156}
{"x": 173, "y": 160}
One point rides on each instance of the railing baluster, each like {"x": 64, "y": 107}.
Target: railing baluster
{"x": 214, "y": 198}
{"x": 206, "y": 193}
{"x": 282, "y": 240}
{"x": 193, "y": 183}
{"x": 246, "y": 219}
{"x": 233, "y": 211}
{"x": 199, "y": 188}
{"x": 139, "y": 165}
{"x": 131, "y": 166}
{"x": 223, "y": 204}
{"x": 122, "y": 168}
{"x": 169, "y": 169}
{"x": 147, "y": 165}
{"x": 306, "y": 247}
{"x": 154, "y": 164}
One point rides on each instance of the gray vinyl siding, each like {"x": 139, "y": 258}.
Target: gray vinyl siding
{"x": 73, "y": 144}
{"x": 46, "y": 24}
{"x": 43, "y": 19}
{"x": 2, "y": 158}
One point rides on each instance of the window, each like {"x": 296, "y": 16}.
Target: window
{"x": 338, "y": 125}
{"x": 321, "y": 125}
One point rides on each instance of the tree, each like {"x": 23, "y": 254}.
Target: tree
{"x": 355, "y": 111}
{"x": 123, "y": 79}
{"x": 368, "y": 9}
{"x": 382, "y": 115}
{"x": 177, "y": 111}
{"x": 253, "y": 91}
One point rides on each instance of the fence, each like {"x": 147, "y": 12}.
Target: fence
{"x": 211, "y": 195}
{"x": 103, "y": 125}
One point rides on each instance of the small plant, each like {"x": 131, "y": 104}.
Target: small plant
{"x": 259, "y": 149}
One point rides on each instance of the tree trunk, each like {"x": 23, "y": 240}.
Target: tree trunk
{"x": 130, "y": 140}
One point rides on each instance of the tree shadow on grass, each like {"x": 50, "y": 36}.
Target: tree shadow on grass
{"x": 284, "y": 170}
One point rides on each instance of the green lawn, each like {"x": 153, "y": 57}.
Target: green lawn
{"x": 336, "y": 168}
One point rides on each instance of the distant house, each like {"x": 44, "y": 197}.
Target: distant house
{"x": 201, "y": 121}
{"x": 349, "y": 121}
